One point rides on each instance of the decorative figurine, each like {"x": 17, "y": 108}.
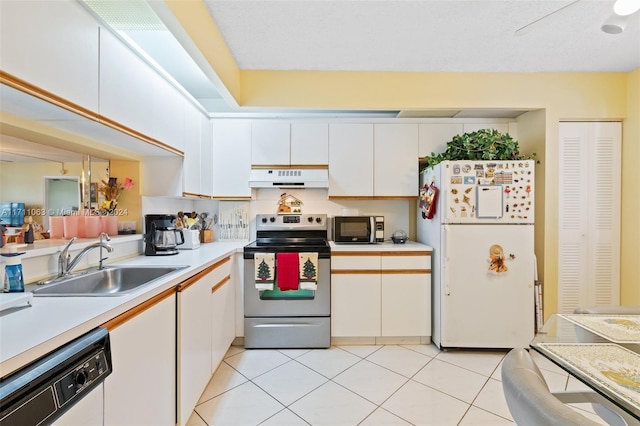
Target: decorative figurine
{"x": 28, "y": 229}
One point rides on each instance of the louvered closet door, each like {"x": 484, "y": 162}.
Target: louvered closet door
{"x": 589, "y": 215}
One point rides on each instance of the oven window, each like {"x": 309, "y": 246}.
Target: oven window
{"x": 355, "y": 229}
{"x": 276, "y": 294}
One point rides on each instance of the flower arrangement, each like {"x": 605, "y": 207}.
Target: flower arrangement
{"x": 112, "y": 190}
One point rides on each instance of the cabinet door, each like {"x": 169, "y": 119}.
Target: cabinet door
{"x": 141, "y": 390}
{"x": 231, "y": 157}
{"x": 433, "y": 137}
{"x": 406, "y": 304}
{"x": 270, "y": 142}
{"x": 125, "y": 97}
{"x": 52, "y": 45}
{"x": 309, "y": 144}
{"x": 222, "y": 309}
{"x": 395, "y": 160}
{"x": 192, "y": 170}
{"x": 350, "y": 160}
{"x": 355, "y": 305}
{"x": 195, "y": 324}
{"x": 206, "y": 153}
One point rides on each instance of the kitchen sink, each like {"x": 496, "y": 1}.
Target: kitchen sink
{"x": 110, "y": 281}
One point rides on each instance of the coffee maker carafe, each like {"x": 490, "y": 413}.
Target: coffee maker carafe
{"x": 161, "y": 237}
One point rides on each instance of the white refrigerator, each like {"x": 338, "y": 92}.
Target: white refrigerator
{"x": 478, "y": 218}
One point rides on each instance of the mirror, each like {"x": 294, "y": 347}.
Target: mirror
{"x": 47, "y": 179}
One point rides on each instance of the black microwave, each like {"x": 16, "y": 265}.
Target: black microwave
{"x": 358, "y": 229}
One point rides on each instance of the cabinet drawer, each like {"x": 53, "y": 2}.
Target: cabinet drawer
{"x": 350, "y": 261}
{"x": 419, "y": 261}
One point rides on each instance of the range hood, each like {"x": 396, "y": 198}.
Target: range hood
{"x": 289, "y": 178}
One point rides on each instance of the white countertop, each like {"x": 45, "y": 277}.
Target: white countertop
{"x": 386, "y": 246}
{"x": 27, "y": 333}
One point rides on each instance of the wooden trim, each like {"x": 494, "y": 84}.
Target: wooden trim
{"x": 350, "y": 197}
{"x": 28, "y": 88}
{"x": 395, "y": 197}
{"x": 220, "y": 284}
{"x": 141, "y": 136}
{"x": 193, "y": 194}
{"x": 373, "y": 197}
{"x": 405, "y": 253}
{"x": 405, "y": 271}
{"x": 231, "y": 198}
{"x": 114, "y": 323}
{"x": 355, "y": 271}
{"x": 44, "y": 95}
{"x": 290, "y": 166}
{"x": 355, "y": 253}
{"x": 194, "y": 278}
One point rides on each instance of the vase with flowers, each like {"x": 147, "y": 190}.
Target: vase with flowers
{"x": 112, "y": 190}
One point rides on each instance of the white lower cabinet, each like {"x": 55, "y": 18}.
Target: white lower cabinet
{"x": 200, "y": 299}
{"x": 355, "y": 305}
{"x": 141, "y": 390}
{"x": 223, "y": 303}
{"x": 381, "y": 294}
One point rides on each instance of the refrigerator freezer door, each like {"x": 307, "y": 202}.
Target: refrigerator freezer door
{"x": 491, "y": 192}
{"x": 487, "y": 286}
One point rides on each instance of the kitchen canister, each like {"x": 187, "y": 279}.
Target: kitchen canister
{"x": 56, "y": 227}
{"x": 70, "y": 226}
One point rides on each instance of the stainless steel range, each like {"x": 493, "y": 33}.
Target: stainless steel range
{"x": 287, "y": 283}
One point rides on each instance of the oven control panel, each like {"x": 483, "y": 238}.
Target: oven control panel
{"x": 267, "y": 222}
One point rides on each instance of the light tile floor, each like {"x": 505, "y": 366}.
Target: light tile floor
{"x": 363, "y": 385}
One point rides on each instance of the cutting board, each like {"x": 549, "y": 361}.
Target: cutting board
{"x": 11, "y": 300}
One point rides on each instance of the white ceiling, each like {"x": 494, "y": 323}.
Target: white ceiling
{"x": 427, "y": 35}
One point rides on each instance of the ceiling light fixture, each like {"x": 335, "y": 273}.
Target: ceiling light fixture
{"x": 626, "y": 7}
{"x": 614, "y": 24}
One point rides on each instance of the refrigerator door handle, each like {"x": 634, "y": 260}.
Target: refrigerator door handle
{"x": 445, "y": 261}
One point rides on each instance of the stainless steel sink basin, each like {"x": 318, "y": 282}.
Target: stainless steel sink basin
{"x": 111, "y": 281}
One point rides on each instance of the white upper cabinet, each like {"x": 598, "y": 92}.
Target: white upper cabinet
{"x": 231, "y": 158}
{"x": 350, "y": 160}
{"x": 192, "y": 163}
{"x": 309, "y": 144}
{"x": 134, "y": 95}
{"x": 474, "y": 127}
{"x": 434, "y": 137}
{"x": 206, "y": 153}
{"x": 395, "y": 160}
{"x": 270, "y": 142}
{"x": 52, "y": 45}
{"x": 283, "y": 143}
{"x": 125, "y": 87}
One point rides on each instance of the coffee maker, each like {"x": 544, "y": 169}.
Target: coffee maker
{"x": 161, "y": 237}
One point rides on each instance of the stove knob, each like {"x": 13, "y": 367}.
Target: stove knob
{"x": 272, "y": 219}
{"x": 318, "y": 219}
{"x": 310, "y": 219}
{"x": 264, "y": 220}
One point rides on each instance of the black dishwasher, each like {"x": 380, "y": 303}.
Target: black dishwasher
{"x": 42, "y": 391}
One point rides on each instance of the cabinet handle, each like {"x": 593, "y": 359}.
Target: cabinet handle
{"x": 220, "y": 284}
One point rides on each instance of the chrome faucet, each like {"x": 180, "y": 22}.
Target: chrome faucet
{"x": 65, "y": 264}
